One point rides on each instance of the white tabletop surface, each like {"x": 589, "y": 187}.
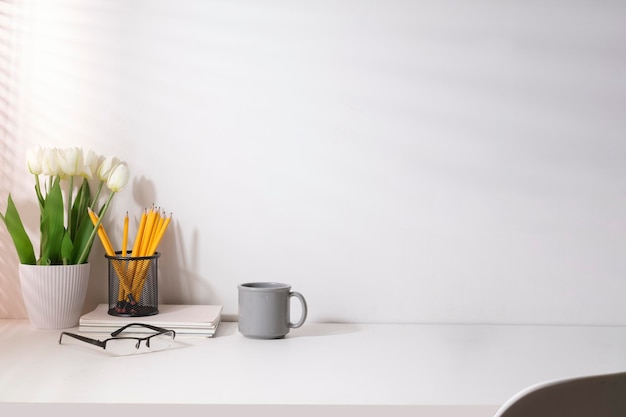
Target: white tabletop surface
{"x": 318, "y": 364}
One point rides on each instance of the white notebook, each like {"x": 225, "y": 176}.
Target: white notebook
{"x": 178, "y": 316}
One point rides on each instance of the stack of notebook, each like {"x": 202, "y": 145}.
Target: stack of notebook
{"x": 185, "y": 320}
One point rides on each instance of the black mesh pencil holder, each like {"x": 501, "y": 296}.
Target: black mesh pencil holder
{"x": 133, "y": 289}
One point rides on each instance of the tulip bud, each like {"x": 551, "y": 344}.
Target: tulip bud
{"x": 90, "y": 164}
{"x": 118, "y": 178}
{"x": 34, "y": 156}
{"x": 70, "y": 161}
{"x": 106, "y": 167}
{"x": 50, "y": 162}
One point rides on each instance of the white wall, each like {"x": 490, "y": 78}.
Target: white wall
{"x": 395, "y": 161}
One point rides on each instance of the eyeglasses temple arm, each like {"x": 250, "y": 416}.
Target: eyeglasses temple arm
{"x": 155, "y": 328}
{"x": 83, "y": 339}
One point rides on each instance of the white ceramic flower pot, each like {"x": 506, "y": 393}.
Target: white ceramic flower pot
{"x": 54, "y": 295}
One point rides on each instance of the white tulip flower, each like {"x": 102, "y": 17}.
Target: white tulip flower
{"x": 34, "y": 157}
{"x": 50, "y": 162}
{"x": 70, "y": 161}
{"x": 118, "y": 178}
{"x": 106, "y": 167}
{"x": 90, "y": 164}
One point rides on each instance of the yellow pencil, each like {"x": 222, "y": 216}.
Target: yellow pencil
{"x": 125, "y": 237}
{"x": 102, "y": 234}
{"x": 140, "y": 267}
{"x": 139, "y": 235}
{"x": 157, "y": 226}
{"x": 160, "y": 233}
{"x": 147, "y": 235}
{"x": 137, "y": 246}
{"x": 108, "y": 248}
{"x": 160, "y": 226}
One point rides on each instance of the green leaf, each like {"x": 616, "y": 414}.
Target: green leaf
{"x": 82, "y": 241}
{"x": 79, "y": 211}
{"x": 23, "y": 245}
{"x": 67, "y": 248}
{"x": 52, "y": 226}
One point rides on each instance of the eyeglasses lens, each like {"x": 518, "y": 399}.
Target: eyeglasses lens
{"x": 160, "y": 341}
{"x": 122, "y": 346}
{"x": 127, "y": 346}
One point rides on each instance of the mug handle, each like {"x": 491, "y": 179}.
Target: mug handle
{"x": 304, "y": 309}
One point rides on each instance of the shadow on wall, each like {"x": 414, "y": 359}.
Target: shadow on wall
{"x": 11, "y": 304}
{"x": 179, "y": 283}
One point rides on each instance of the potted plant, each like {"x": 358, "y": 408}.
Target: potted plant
{"x": 54, "y": 279}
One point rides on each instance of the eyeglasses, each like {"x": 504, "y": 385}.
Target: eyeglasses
{"x": 124, "y": 345}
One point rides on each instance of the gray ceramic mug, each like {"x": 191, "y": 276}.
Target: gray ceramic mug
{"x": 264, "y": 310}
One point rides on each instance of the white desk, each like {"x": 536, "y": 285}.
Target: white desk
{"x": 434, "y": 370}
